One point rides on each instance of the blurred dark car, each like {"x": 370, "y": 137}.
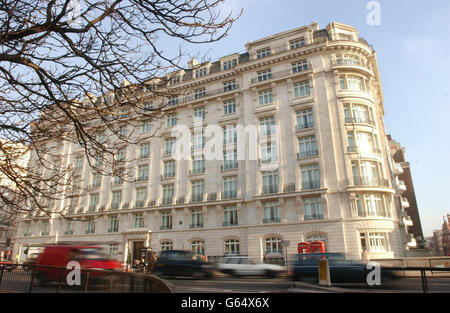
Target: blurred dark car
{"x": 182, "y": 263}
{"x": 7, "y": 265}
{"x": 341, "y": 269}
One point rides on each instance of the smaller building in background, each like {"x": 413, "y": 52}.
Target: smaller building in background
{"x": 446, "y": 235}
{"x": 436, "y": 242}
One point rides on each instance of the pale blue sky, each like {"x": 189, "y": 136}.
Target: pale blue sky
{"x": 412, "y": 45}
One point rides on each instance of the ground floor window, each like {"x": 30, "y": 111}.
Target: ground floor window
{"x": 374, "y": 242}
{"x": 166, "y": 245}
{"x": 198, "y": 247}
{"x": 274, "y": 245}
{"x": 232, "y": 247}
{"x": 113, "y": 250}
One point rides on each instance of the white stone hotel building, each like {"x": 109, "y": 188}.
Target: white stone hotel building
{"x": 328, "y": 175}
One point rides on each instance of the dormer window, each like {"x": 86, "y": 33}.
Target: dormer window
{"x": 229, "y": 64}
{"x": 262, "y": 53}
{"x": 201, "y": 72}
{"x": 297, "y": 43}
{"x": 174, "y": 80}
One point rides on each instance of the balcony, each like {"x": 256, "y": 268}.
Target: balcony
{"x": 351, "y": 63}
{"x": 401, "y": 185}
{"x": 139, "y": 204}
{"x": 356, "y": 120}
{"x": 44, "y": 233}
{"x": 370, "y": 181}
{"x": 355, "y": 149}
{"x": 197, "y": 171}
{"x": 280, "y": 74}
{"x": 165, "y": 227}
{"x": 305, "y": 126}
{"x": 167, "y": 201}
{"x": 68, "y": 232}
{"x": 268, "y": 220}
{"x": 405, "y": 203}
{"x": 114, "y": 206}
{"x": 90, "y": 231}
{"x": 316, "y": 216}
{"x": 307, "y": 154}
{"x": 212, "y": 93}
{"x": 196, "y": 225}
{"x": 113, "y": 230}
{"x": 269, "y": 189}
{"x": 197, "y": 198}
{"x": 311, "y": 185}
{"x": 398, "y": 169}
{"x": 230, "y": 223}
{"x": 229, "y": 166}
{"x": 227, "y": 195}
{"x": 92, "y": 209}
{"x": 407, "y": 221}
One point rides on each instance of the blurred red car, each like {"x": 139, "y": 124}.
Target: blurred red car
{"x": 89, "y": 257}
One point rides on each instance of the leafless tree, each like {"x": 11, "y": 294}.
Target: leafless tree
{"x": 69, "y": 70}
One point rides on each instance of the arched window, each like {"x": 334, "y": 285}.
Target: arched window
{"x": 318, "y": 237}
{"x": 232, "y": 247}
{"x": 198, "y": 247}
{"x": 274, "y": 245}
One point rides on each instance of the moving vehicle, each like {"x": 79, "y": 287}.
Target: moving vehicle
{"x": 341, "y": 269}
{"x": 242, "y": 265}
{"x": 182, "y": 263}
{"x": 89, "y": 257}
{"x": 30, "y": 261}
{"x": 7, "y": 265}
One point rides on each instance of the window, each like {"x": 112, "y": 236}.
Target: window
{"x": 262, "y": 53}
{"x": 72, "y": 205}
{"x": 310, "y": 177}
{"x": 198, "y": 189}
{"x": 199, "y": 93}
{"x": 144, "y": 151}
{"x": 318, "y": 237}
{"x": 173, "y": 100}
{"x": 113, "y": 224}
{"x": 146, "y": 127}
{"x": 198, "y": 141}
{"x": 166, "y": 220}
{"x": 230, "y": 216}
{"x": 45, "y": 228}
{"x": 229, "y": 106}
{"x": 270, "y": 182}
{"x": 229, "y": 160}
{"x": 169, "y": 169}
{"x": 302, "y": 89}
{"x": 174, "y": 80}
{"x": 307, "y": 146}
{"x": 198, "y": 165}
{"x": 264, "y": 75}
{"x": 271, "y": 212}
{"x": 98, "y": 161}
{"x": 352, "y": 82}
{"x": 90, "y": 229}
{"x": 142, "y": 172}
{"x": 120, "y": 155}
{"x": 349, "y": 59}
{"x": 78, "y": 162}
{"x": 229, "y": 85}
{"x": 267, "y": 126}
{"x": 358, "y": 113}
{"x": 122, "y": 131}
{"x": 116, "y": 199}
{"x": 69, "y": 229}
{"x": 117, "y": 178}
{"x": 166, "y": 245}
{"x": 141, "y": 196}
{"x": 377, "y": 242}
{"x": 201, "y": 72}
{"x": 366, "y": 173}
{"x": 96, "y": 179}
{"x": 231, "y": 247}
{"x": 113, "y": 250}
{"x": 199, "y": 114}
{"x": 27, "y": 232}
{"x": 297, "y": 43}
{"x": 169, "y": 146}
{"x": 138, "y": 220}
{"x": 372, "y": 205}
{"x": 171, "y": 120}
{"x": 313, "y": 208}
{"x": 299, "y": 66}
{"x": 229, "y": 64}
{"x": 230, "y": 187}
{"x": 148, "y": 106}
{"x": 167, "y": 194}
{"x": 196, "y": 218}
{"x": 269, "y": 153}
{"x": 229, "y": 134}
{"x": 93, "y": 202}
{"x": 363, "y": 142}
{"x": 274, "y": 245}
{"x": 198, "y": 247}
{"x": 265, "y": 97}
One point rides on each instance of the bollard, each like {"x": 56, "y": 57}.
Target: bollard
{"x": 324, "y": 273}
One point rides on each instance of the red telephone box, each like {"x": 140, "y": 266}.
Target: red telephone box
{"x": 303, "y": 247}
{"x": 318, "y": 247}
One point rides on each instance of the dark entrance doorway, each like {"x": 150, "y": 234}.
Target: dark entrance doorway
{"x": 137, "y": 246}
